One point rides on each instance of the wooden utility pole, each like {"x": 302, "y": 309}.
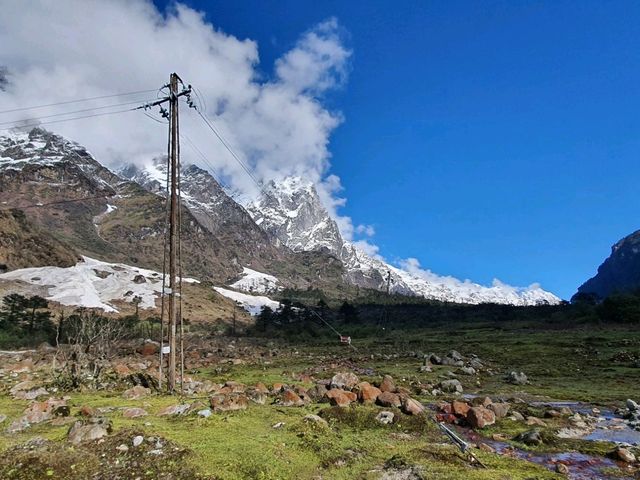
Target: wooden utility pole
{"x": 173, "y": 229}
{"x": 174, "y": 290}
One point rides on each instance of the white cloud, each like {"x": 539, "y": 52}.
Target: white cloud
{"x": 62, "y": 50}
{"x": 369, "y": 248}
{"x": 367, "y": 230}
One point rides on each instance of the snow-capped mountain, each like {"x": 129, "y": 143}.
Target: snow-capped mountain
{"x": 292, "y": 212}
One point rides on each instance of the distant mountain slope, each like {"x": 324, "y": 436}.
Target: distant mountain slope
{"x": 620, "y": 272}
{"x": 292, "y": 212}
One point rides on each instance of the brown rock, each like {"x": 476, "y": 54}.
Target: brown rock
{"x": 80, "y": 432}
{"x": 480, "y": 417}
{"x": 338, "y": 397}
{"x": 387, "y": 384}
{"x": 278, "y": 387}
{"x": 369, "y": 393}
{"x": 289, "y": 398}
{"x": 500, "y": 409}
{"x": 149, "y": 348}
{"x": 122, "y": 370}
{"x": 228, "y": 403}
{"x": 87, "y": 411}
{"x": 344, "y": 380}
{"x": 261, "y": 388}
{"x": 623, "y": 454}
{"x": 23, "y": 366}
{"x": 174, "y": 410}
{"x": 134, "y": 412}
{"x": 485, "y": 447}
{"x": 235, "y": 387}
{"x": 135, "y": 393}
{"x": 412, "y": 407}
{"x": 481, "y": 401}
{"x": 459, "y": 408}
{"x": 535, "y": 421}
{"x": 317, "y": 392}
{"x": 388, "y": 399}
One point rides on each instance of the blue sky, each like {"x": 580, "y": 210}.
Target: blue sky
{"x": 486, "y": 139}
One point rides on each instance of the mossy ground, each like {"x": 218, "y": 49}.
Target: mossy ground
{"x": 562, "y": 364}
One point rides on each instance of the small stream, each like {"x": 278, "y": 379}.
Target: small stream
{"x": 608, "y": 427}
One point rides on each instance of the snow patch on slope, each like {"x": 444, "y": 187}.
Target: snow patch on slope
{"x": 94, "y": 284}
{"x": 254, "y": 281}
{"x": 251, "y": 303}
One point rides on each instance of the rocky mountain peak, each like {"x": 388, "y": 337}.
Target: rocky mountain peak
{"x": 620, "y": 272}
{"x": 291, "y": 211}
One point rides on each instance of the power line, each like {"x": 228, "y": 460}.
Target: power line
{"x": 70, "y": 113}
{"x": 65, "y": 120}
{"x": 77, "y": 101}
{"x": 230, "y": 150}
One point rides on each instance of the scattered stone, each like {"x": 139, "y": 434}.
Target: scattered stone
{"x": 228, "y": 403}
{"x": 122, "y": 448}
{"x": 317, "y": 392}
{"x": 530, "y": 437}
{"x": 412, "y": 407}
{"x": 481, "y": 401}
{"x": 388, "y": 399}
{"x": 516, "y": 416}
{"x": 81, "y": 432}
{"x": 451, "y": 386}
{"x": 485, "y": 447}
{"x": 425, "y": 368}
{"x": 385, "y": 417}
{"x": 368, "y": 393}
{"x": 338, "y": 397}
{"x": 134, "y": 412}
{"x": 517, "y": 378}
{"x": 87, "y": 411}
{"x": 174, "y": 410}
{"x": 467, "y": 371}
{"x": 480, "y": 417}
{"x": 278, "y": 425}
{"x": 434, "y": 359}
{"x": 261, "y": 388}
{"x": 205, "y": 413}
{"x": 623, "y": 454}
{"x": 460, "y": 408}
{"x": 455, "y": 355}
{"x": 500, "y": 409}
{"x": 565, "y": 411}
{"x": 633, "y": 406}
{"x": 149, "y": 348}
{"x": 535, "y": 421}
{"x": 137, "y": 440}
{"x": 136, "y": 393}
{"x": 562, "y": 468}
{"x": 552, "y": 413}
{"x": 315, "y": 419}
{"x": 387, "y": 384}
{"x": 344, "y": 380}
{"x": 31, "y": 394}
{"x": 23, "y": 366}
{"x": 289, "y": 398}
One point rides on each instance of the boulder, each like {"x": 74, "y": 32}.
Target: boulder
{"x": 467, "y": 371}
{"x": 455, "y": 355}
{"x": 228, "y": 403}
{"x": 122, "y": 370}
{"x": 388, "y": 399}
{"x": 530, "y": 437}
{"x": 500, "y": 409}
{"x": 136, "y": 393}
{"x": 385, "y": 417}
{"x": 412, "y": 407}
{"x": 149, "y": 348}
{"x": 387, "y": 384}
{"x": 84, "y": 432}
{"x": 480, "y": 417}
{"x": 289, "y": 398}
{"x": 481, "y": 401}
{"x": 451, "y": 386}
{"x": 338, "y": 397}
{"x": 315, "y": 420}
{"x": 516, "y": 378}
{"x": 344, "y": 380}
{"x": 633, "y": 406}
{"x": 134, "y": 412}
{"x": 531, "y": 421}
{"x": 261, "y": 388}
{"x": 317, "y": 392}
{"x": 459, "y": 408}
{"x": 623, "y": 454}
{"x": 170, "y": 410}
{"x": 368, "y": 393}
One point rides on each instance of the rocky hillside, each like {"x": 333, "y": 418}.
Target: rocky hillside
{"x": 291, "y": 211}
{"x": 620, "y": 272}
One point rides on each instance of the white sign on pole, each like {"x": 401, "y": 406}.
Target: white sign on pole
{"x": 166, "y": 349}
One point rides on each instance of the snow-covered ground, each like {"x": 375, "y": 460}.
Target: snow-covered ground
{"x": 251, "y": 303}
{"x": 94, "y": 284}
{"x": 256, "y": 282}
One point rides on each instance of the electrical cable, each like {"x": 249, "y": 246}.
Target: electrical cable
{"x": 76, "y": 101}
{"x": 65, "y": 120}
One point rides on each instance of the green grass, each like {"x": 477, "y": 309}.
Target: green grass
{"x": 561, "y": 364}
